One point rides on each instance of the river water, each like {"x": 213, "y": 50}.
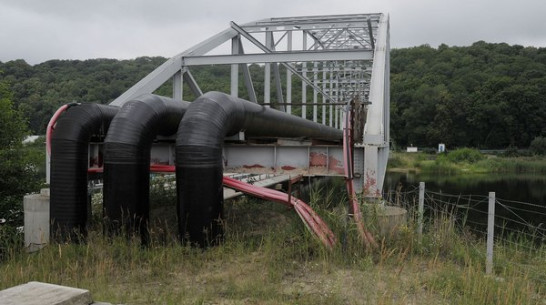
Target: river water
{"x": 529, "y": 188}
{"x": 521, "y": 198}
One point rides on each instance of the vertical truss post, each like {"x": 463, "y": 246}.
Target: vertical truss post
{"x": 341, "y": 113}
{"x": 324, "y": 97}
{"x": 289, "y": 77}
{"x": 331, "y": 112}
{"x": 315, "y": 93}
{"x": 303, "y": 83}
{"x": 276, "y": 73}
{"x": 235, "y": 43}
{"x": 304, "y": 91}
{"x": 178, "y": 86}
{"x": 341, "y": 120}
{"x": 336, "y": 90}
{"x": 267, "y": 73}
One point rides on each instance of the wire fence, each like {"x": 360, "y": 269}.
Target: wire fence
{"x": 518, "y": 225}
{"x": 514, "y": 221}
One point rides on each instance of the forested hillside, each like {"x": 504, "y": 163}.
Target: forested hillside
{"x": 40, "y": 89}
{"x": 485, "y": 95}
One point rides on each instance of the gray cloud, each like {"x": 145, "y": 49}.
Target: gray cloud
{"x": 37, "y": 30}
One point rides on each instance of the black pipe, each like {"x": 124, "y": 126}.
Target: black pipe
{"x": 127, "y": 158}
{"x": 69, "y": 163}
{"x": 199, "y": 167}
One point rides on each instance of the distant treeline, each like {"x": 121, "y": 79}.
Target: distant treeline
{"x": 484, "y": 95}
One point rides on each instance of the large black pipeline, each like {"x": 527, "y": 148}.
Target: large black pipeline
{"x": 127, "y": 158}
{"x": 69, "y": 163}
{"x": 199, "y": 165}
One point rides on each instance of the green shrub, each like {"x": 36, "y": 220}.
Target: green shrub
{"x": 468, "y": 155}
{"x": 11, "y": 241}
{"x": 395, "y": 160}
{"x": 440, "y": 165}
{"x": 511, "y": 151}
{"x": 538, "y": 146}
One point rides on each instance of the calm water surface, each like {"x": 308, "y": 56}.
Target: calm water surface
{"x": 529, "y": 188}
{"x": 521, "y": 197}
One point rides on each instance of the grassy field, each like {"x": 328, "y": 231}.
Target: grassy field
{"x": 269, "y": 258}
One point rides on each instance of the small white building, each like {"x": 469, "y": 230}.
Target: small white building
{"x": 30, "y": 139}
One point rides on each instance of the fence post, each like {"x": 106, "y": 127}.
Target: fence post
{"x": 490, "y": 233}
{"x": 420, "y": 210}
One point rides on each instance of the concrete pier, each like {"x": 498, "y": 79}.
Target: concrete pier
{"x": 36, "y": 209}
{"x": 387, "y": 219}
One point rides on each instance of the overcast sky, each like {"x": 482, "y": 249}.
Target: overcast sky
{"x": 39, "y": 30}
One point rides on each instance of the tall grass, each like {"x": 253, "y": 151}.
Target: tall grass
{"x": 269, "y": 258}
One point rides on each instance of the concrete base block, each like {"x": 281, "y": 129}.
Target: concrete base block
{"x": 388, "y": 219}
{"x": 36, "y": 293}
{"x": 36, "y": 209}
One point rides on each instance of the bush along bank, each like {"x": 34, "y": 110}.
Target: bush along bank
{"x": 466, "y": 160}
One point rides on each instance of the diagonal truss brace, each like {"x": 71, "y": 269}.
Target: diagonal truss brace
{"x": 188, "y": 78}
{"x": 288, "y": 66}
{"x": 246, "y": 75}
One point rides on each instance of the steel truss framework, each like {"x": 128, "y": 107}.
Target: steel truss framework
{"x": 336, "y": 58}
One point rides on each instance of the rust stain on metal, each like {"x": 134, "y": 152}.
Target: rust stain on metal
{"x": 250, "y": 170}
{"x": 370, "y": 185}
{"x": 253, "y": 166}
{"x": 318, "y": 159}
{"x": 335, "y": 165}
{"x": 288, "y": 168}
{"x": 296, "y": 179}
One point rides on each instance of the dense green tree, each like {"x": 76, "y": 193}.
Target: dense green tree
{"x": 18, "y": 164}
{"x": 538, "y": 146}
{"x": 40, "y": 89}
{"x": 12, "y": 127}
{"x": 485, "y": 95}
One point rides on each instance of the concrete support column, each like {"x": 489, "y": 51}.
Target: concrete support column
{"x": 36, "y": 223}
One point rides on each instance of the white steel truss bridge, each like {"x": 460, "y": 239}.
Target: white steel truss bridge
{"x": 321, "y": 68}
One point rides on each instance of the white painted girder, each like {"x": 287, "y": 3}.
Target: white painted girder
{"x": 278, "y": 57}
{"x": 313, "y": 22}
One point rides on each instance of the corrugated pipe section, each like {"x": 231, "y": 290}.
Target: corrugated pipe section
{"x": 127, "y": 158}
{"x": 69, "y": 163}
{"x": 199, "y": 165}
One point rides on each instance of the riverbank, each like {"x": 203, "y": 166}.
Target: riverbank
{"x": 465, "y": 161}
